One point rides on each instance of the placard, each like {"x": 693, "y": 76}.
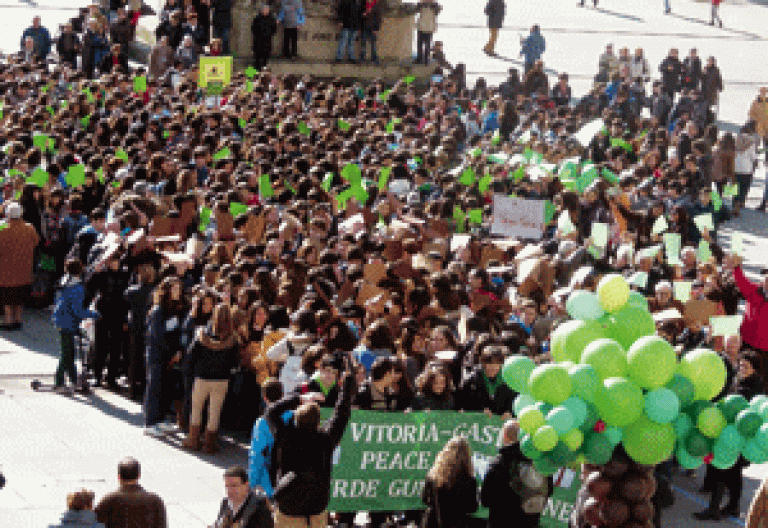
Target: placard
{"x": 517, "y": 217}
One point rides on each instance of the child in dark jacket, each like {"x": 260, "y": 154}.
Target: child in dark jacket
{"x": 68, "y": 313}
{"x": 263, "y": 28}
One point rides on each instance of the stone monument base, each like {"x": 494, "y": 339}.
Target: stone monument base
{"x": 386, "y": 70}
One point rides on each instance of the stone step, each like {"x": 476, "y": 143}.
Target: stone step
{"x": 386, "y": 70}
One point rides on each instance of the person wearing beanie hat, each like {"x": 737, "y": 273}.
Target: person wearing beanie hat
{"x": 17, "y": 248}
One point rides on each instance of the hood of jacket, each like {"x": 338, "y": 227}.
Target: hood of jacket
{"x": 82, "y": 517}
{"x": 212, "y": 342}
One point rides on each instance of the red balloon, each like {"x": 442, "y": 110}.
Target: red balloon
{"x": 598, "y": 486}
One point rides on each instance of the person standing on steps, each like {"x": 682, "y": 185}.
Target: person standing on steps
{"x": 348, "y": 16}
{"x": 533, "y": 47}
{"x": 495, "y": 10}
{"x": 291, "y": 16}
{"x": 716, "y": 14}
{"x": 426, "y": 25}
{"x": 583, "y": 3}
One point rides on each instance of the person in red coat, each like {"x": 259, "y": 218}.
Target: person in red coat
{"x": 754, "y": 326}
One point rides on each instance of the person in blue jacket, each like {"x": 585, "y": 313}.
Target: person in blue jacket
{"x": 41, "y": 37}
{"x": 533, "y": 47}
{"x": 261, "y": 472}
{"x": 68, "y": 313}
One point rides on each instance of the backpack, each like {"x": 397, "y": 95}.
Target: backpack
{"x": 530, "y": 485}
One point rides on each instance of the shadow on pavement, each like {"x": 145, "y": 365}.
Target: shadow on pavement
{"x": 726, "y": 28}
{"x": 620, "y": 15}
{"x": 37, "y": 334}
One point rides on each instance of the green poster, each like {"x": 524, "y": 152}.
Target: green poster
{"x": 383, "y": 457}
{"x": 216, "y": 70}
{"x": 560, "y": 505}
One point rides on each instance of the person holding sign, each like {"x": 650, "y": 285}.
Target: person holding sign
{"x": 450, "y": 489}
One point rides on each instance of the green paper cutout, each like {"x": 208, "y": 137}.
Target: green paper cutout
{"x": 468, "y": 177}
{"x": 250, "y": 72}
{"x": 672, "y": 244}
{"x": 391, "y": 125}
{"x": 609, "y": 176}
{"x": 40, "y": 141}
{"x": 76, "y": 176}
{"x": 618, "y": 142}
{"x": 39, "y": 177}
{"x": 600, "y": 234}
{"x": 343, "y": 198}
{"x": 737, "y": 244}
{"x": 343, "y": 125}
{"x": 14, "y": 172}
{"x": 17, "y": 195}
{"x": 115, "y": 184}
{"x": 140, "y": 84}
{"x": 51, "y": 110}
{"x": 121, "y": 155}
{"x": 731, "y": 190}
{"x": 549, "y": 211}
{"x": 519, "y": 173}
{"x": 659, "y": 226}
{"x": 383, "y": 96}
{"x": 476, "y": 216}
{"x": 248, "y": 86}
{"x": 242, "y": 122}
{"x": 704, "y": 252}
{"x": 595, "y": 251}
{"x": 717, "y": 202}
{"x": 409, "y": 79}
{"x": 304, "y": 129}
{"x": 205, "y": 219}
{"x": 496, "y": 138}
{"x": 639, "y": 279}
{"x": 704, "y": 222}
{"x": 565, "y": 224}
{"x": 100, "y": 175}
{"x": 327, "y": 181}
{"x": 725, "y": 325}
{"x": 351, "y": 173}
{"x": 265, "y": 186}
{"x": 223, "y": 153}
{"x": 166, "y": 134}
{"x": 360, "y": 194}
{"x": 237, "y": 208}
{"x": 460, "y": 218}
{"x": 682, "y": 290}
{"x": 384, "y": 174}
{"x": 484, "y": 183}
{"x": 85, "y": 121}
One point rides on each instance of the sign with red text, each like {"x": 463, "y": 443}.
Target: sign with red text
{"x": 517, "y": 217}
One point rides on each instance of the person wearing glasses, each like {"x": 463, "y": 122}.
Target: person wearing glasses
{"x": 484, "y": 390}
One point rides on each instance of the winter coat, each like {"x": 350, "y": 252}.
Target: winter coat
{"x": 78, "y": 519}
{"x": 131, "y": 506}
{"x": 68, "y": 46}
{"x": 291, "y": 13}
{"x": 42, "y": 39}
{"x": 260, "y": 470}
{"x": 691, "y": 73}
{"x": 661, "y": 106}
{"x": 473, "y": 395}
{"x": 449, "y": 507}
{"x": 427, "y": 21}
{"x": 163, "y": 336}
{"x": 263, "y": 28}
{"x": 221, "y": 13}
{"x": 212, "y": 358}
{"x": 758, "y": 112}
{"x": 348, "y": 13}
{"x": 139, "y": 300}
{"x": 174, "y": 32}
{"x": 371, "y": 15}
{"x": 671, "y": 70}
{"x": 754, "y": 330}
{"x": 307, "y": 454}
{"x": 533, "y": 47}
{"x": 94, "y": 48}
{"x": 254, "y": 513}
{"x": 198, "y": 33}
{"x": 495, "y": 10}
{"x": 122, "y": 32}
{"x": 497, "y": 494}
{"x": 711, "y": 84}
{"x": 288, "y": 351}
{"x": 69, "y": 306}
{"x": 160, "y": 60}
{"x": 536, "y": 82}
{"x": 17, "y": 246}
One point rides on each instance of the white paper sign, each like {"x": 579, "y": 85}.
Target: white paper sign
{"x": 517, "y": 217}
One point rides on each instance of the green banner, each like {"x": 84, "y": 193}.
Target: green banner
{"x": 383, "y": 458}
{"x": 560, "y": 505}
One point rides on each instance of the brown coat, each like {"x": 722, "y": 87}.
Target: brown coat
{"x": 723, "y": 165}
{"x": 131, "y": 506}
{"x": 758, "y": 113}
{"x": 17, "y": 248}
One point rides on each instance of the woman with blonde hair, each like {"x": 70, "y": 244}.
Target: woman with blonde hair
{"x": 450, "y": 489}
{"x": 212, "y": 357}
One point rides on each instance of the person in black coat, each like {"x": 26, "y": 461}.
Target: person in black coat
{"x": 495, "y": 10}
{"x": 221, "y": 21}
{"x": 68, "y": 46}
{"x": 691, "y": 72}
{"x": 303, "y": 452}
{"x": 263, "y": 28}
{"x": 370, "y": 24}
{"x": 115, "y": 61}
{"x": 671, "y": 70}
{"x": 450, "y": 488}
{"x": 484, "y": 390}
{"x": 195, "y": 29}
{"x": 497, "y": 494}
{"x": 171, "y": 28}
{"x": 243, "y": 506}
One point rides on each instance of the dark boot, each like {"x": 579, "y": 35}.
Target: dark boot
{"x": 192, "y": 442}
{"x": 762, "y": 206}
{"x": 210, "y": 443}
{"x": 181, "y": 419}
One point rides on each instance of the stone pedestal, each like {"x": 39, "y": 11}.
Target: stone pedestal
{"x": 318, "y": 37}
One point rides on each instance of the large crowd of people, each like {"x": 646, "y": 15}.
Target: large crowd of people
{"x": 295, "y": 243}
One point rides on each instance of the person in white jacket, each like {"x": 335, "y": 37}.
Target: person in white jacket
{"x": 290, "y": 349}
{"x": 746, "y": 159}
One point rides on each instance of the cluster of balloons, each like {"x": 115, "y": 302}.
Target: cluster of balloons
{"x": 619, "y": 494}
{"x": 613, "y": 381}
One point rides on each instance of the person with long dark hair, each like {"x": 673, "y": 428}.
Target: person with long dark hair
{"x": 450, "y": 488}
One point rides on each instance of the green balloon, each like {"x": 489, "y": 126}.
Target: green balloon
{"x": 607, "y": 358}
{"x": 725, "y": 460}
{"x": 638, "y": 299}
{"x": 706, "y": 370}
{"x": 711, "y": 422}
{"x": 578, "y": 409}
{"x": 561, "y": 454}
{"x": 697, "y": 444}
{"x": 620, "y": 402}
{"x": 647, "y": 442}
{"x": 731, "y": 438}
{"x": 545, "y": 466}
{"x": 721, "y": 449}
{"x": 589, "y": 422}
{"x": 661, "y": 405}
{"x": 683, "y": 389}
{"x": 573, "y": 439}
{"x": 755, "y": 452}
{"x": 561, "y": 419}
{"x": 685, "y": 459}
{"x": 763, "y": 410}
{"x": 748, "y": 422}
{"x": 732, "y": 405}
{"x": 651, "y": 362}
{"x": 682, "y": 424}
{"x": 543, "y": 407}
{"x": 582, "y": 304}
{"x": 516, "y": 371}
{"x": 550, "y": 383}
{"x": 545, "y": 438}
{"x": 584, "y": 381}
{"x": 757, "y": 401}
{"x": 694, "y": 409}
{"x": 761, "y": 436}
{"x": 569, "y": 340}
{"x": 522, "y": 401}
{"x": 614, "y": 435}
{"x": 630, "y": 324}
{"x": 527, "y": 447}
{"x": 530, "y": 419}
{"x": 597, "y": 448}
{"x": 613, "y": 292}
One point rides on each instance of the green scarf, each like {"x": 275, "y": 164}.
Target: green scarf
{"x": 491, "y": 385}
{"x": 325, "y": 390}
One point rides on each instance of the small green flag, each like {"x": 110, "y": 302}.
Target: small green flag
{"x": 40, "y": 141}
{"x": 45, "y": 88}
{"x": 384, "y": 173}
{"x": 343, "y": 198}
{"x": 248, "y": 86}
{"x": 731, "y": 190}
{"x": 51, "y": 110}
{"x": 477, "y": 152}
{"x": 618, "y": 142}
{"x": 88, "y": 94}
{"x": 205, "y": 218}
{"x": 251, "y": 72}
{"x": 703, "y": 253}
{"x": 237, "y": 208}
{"x": 717, "y": 202}
{"x": 519, "y": 173}
{"x": 121, "y": 155}
{"x": 343, "y": 125}
{"x": 484, "y": 183}
{"x": 223, "y": 153}
{"x": 140, "y": 84}
{"x": 383, "y": 96}
{"x": 659, "y": 226}
{"x": 609, "y": 176}
{"x": 460, "y": 218}
{"x": 242, "y": 123}
{"x": 115, "y": 184}
{"x": 417, "y": 159}
{"x": 15, "y": 172}
{"x": 351, "y": 173}
{"x": 85, "y": 121}
{"x": 549, "y": 211}
{"x": 39, "y": 177}
{"x": 327, "y": 181}
{"x": 16, "y": 196}
{"x": 100, "y": 175}
{"x": 166, "y": 134}
{"x": 476, "y": 216}
{"x": 76, "y": 176}
{"x": 409, "y": 79}
{"x": 360, "y": 194}
{"x": 304, "y": 129}
{"x": 467, "y": 177}
{"x": 265, "y": 186}
{"x": 496, "y": 139}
